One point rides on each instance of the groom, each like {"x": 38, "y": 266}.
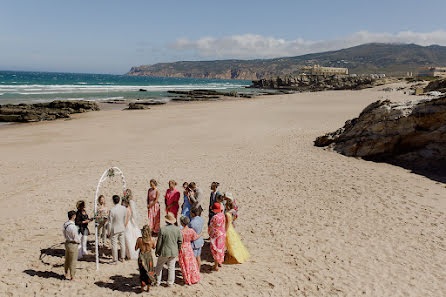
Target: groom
{"x": 116, "y": 228}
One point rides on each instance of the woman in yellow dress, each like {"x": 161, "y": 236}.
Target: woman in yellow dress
{"x": 234, "y": 245}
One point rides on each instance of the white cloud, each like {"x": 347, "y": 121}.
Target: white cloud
{"x": 256, "y": 46}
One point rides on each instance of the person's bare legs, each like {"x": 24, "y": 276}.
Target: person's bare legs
{"x": 215, "y": 268}
{"x": 199, "y": 262}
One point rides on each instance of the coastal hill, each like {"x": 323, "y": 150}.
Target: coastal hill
{"x": 391, "y": 59}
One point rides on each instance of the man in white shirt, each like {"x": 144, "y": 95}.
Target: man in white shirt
{"x": 116, "y": 227}
{"x": 72, "y": 240}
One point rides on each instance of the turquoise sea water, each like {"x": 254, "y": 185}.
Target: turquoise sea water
{"x": 31, "y": 87}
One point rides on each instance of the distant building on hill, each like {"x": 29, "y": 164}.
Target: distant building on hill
{"x": 432, "y": 71}
{"x": 320, "y": 70}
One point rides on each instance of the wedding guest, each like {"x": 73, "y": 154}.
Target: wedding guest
{"x": 167, "y": 249}
{"x": 153, "y": 207}
{"x": 197, "y": 224}
{"x": 234, "y": 245}
{"x": 117, "y": 219}
{"x": 145, "y": 244}
{"x": 213, "y": 199}
{"x": 101, "y": 218}
{"x": 220, "y": 199}
{"x": 172, "y": 198}
{"x": 188, "y": 263}
{"x": 72, "y": 240}
{"x": 82, "y": 221}
{"x": 234, "y": 208}
{"x": 132, "y": 231}
{"x": 186, "y": 204}
{"x": 196, "y": 196}
{"x": 217, "y": 233}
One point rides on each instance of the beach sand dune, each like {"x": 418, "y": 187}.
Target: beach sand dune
{"x": 315, "y": 222}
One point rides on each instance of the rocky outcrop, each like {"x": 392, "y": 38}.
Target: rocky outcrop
{"x": 438, "y": 85}
{"x": 145, "y": 104}
{"x": 314, "y": 83}
{"x": 408, "y": 133}
{"x": 204, "y": 95}
{"x": 44, "y": 111}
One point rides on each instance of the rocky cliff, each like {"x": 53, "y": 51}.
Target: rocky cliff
{"x": 411, "y": 134}
{"x": 438, "y": 85}
{"x": 315, "y": 82}
{"x": 44, "y": 111}
{"x": 391, "y": 59}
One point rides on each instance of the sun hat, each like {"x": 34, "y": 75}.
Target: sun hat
{"x": 170, "y": 218}
{"x": 79, "y": 203}
{"x": 216, "y": 207}
{"x": 228, "y": 195}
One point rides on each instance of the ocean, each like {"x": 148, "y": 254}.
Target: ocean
{"x": 33, "y": 87}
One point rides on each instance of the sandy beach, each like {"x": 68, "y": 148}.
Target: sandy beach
{"x": 315, "y": 222}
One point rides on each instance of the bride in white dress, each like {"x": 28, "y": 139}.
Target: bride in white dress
{"x": 132, "y": 231}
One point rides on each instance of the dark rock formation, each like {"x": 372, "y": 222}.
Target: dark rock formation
{"x": 145, "y": 104}
{"x": 313, "y": 83}
{"x": 44, "y": 111}
{"x": 438, "y": 85}
{"x": 411, "y": 134}
{"x": 203, "y": 95}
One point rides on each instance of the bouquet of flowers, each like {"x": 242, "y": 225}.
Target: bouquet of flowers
{"x": 111, "y": 172}
{"x": 126, "y": 196}
{"x": 101, "y": 216}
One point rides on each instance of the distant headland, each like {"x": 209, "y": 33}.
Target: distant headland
{"x": 389, "y": 59}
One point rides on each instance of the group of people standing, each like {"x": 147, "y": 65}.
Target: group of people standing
{"x": 183, "y": 241}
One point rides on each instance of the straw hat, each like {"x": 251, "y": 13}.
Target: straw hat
{"x": 79, "y": 203}
{"x": 170, "y": 218}
{"x": 228, "y": 195}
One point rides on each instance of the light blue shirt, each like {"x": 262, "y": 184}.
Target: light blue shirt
{"x": 197, "y": 224}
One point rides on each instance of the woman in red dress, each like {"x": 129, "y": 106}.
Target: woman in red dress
{"x": 188, "y": 262}
{"x": 153, "y": 207}
{"x": 217, "y": 234}
{"x": 172, "y": 198}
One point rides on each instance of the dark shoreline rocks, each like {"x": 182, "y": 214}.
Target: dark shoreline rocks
{"x": 409, "y": 134}
{"x": 204, "y": 95}
{"x": 314, "y": 83}
{"x": 144, "y": 104}
{"x": 438, "y": 85}
{"x": 44, "y": 111}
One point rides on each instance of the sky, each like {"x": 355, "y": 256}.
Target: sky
{"x": 98, "y": 36}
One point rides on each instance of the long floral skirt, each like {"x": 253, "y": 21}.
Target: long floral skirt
{"x": 154, "y": 218}
{"x": 218, "y": 248}
{"x": 146, "y": 268}
{"x": 188, "y": 264}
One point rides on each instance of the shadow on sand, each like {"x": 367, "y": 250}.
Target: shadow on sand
{"x": 122, "y": 283}
{"x": 58, "y": 250}
{"x": 44, "y": 274}
{"x": 435, "y": 171}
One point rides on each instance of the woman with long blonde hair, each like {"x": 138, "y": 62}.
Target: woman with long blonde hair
{"x": 145, "y": 244}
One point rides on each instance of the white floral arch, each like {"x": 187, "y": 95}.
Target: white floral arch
{"x": 109, "y": 173}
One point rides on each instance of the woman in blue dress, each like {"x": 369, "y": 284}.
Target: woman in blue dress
{"x": 186, "y": 204}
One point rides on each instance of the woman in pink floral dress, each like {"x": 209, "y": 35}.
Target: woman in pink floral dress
{"x": 217, "y": 234}
{"x": 188, "y": 262}
{"x": 153, "y": 207}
